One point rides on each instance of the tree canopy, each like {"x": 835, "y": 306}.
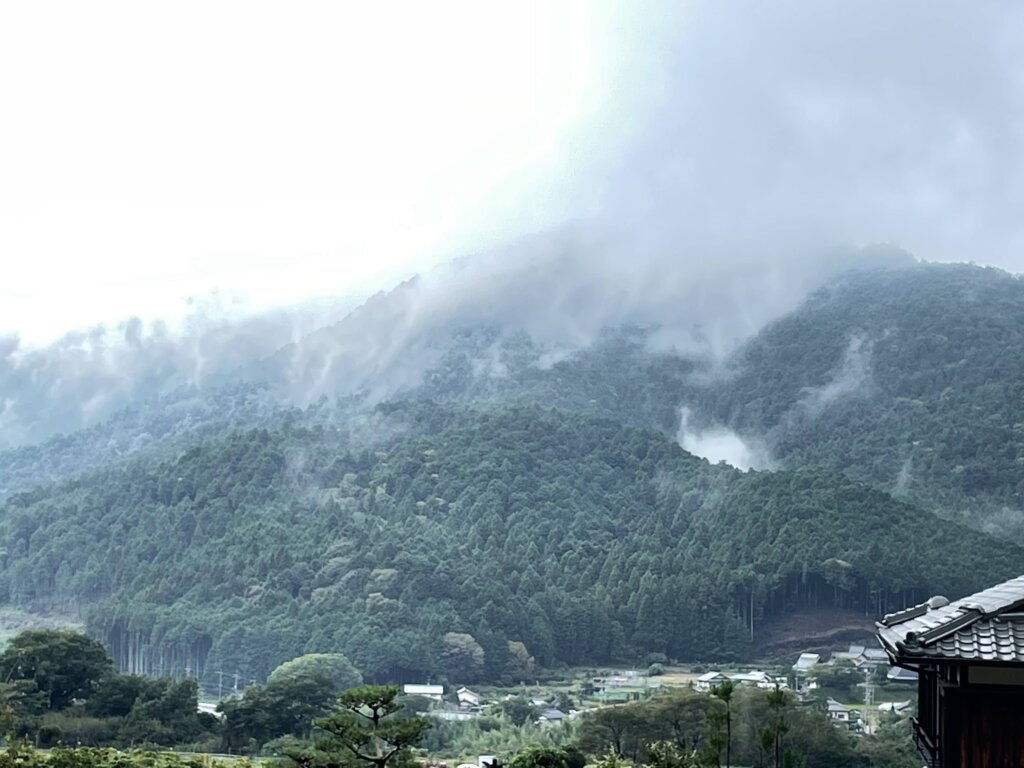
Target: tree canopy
{"x": 365, "y": 728}
{"x": 480, "y": 541}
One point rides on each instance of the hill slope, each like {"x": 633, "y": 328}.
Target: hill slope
{"x": 584, "y": 540}
{"x": 910, "y": 379}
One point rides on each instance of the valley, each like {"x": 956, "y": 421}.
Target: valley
{"x": 546, "y": 505}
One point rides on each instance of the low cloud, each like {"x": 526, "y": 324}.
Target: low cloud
{"x": 853, "y": 377}
{"x": 85, "y": 376}
{"x": 562, "y": 288}
{"x": 717, "y": 443}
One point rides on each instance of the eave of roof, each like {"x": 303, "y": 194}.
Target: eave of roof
{"x": 987, "y": 627}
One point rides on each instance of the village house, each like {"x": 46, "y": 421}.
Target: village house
{"x": 894, "y": 707}
{"x": 551, "y": 716}
{"x": 804, "y": 672}
{"x": 452, "y": 713}
{"x": 969, "y": 658}
{"x": 467, "y": 698}
{"x": 709, "y": 680}
{"x": 840, "y": 712}
{"x": 900, "y": 675}
{"x": 806, "y": 662}
{"x": 755, "y": 678}
{"x": 758, "y": 679}
{"x": 862, "y": 657}
{"x": 432, "y": 692}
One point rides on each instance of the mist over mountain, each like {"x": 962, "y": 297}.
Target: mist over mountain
{"x": 561, "y": 288}
{"x": 87, "y": 376}
{"x": 902, "y": 375}
{"x": 721, "y": 159}
{"x": 640, "y": 389}
{"x": 910, "y": 379}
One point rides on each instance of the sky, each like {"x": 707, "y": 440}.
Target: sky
{"x": 270, "y": 152}
{"x": 155, "y": 153}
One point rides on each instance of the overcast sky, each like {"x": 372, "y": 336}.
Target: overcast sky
{"x": 273, "y": 152}
{"x": 150, "y": 151}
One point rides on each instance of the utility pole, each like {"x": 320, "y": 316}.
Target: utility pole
{"x": 869, "y": 701}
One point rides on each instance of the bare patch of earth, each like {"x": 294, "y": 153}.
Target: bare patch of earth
{"x": 816, "y": 631}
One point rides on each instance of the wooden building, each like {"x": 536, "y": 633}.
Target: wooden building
{"x": 969, "y": 657}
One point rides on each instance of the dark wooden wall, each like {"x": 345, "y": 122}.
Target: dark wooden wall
{"x": 983, "y": 727}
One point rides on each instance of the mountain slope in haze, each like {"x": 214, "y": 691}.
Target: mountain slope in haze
{"x": 115, "y": 392}
{"x": 909, "y": 379}
{"x": 561, "y": 290}
{"x": 88, "y": 376}
{"x": 536, "y": 532}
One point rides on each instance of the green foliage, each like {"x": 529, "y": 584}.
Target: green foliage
{"x": 688, "y": 729}
{"x": 910, "y": 379}
{"x": 543, "y": 536}
{"x": 496, "y": 736}
{"x": 334, "y": 666}
{"x": 519, "y": 710}
{"x": 21, "y": 755}
{"x": 539, "y": 757}
{"x": 724, "y": 693}
{"x": 62, "y": 689}
{"x": 462, "y": 657}
{"x": 891, "y": 747}
{"x": 480, "y": 544}
{"x": 364, "y": 729}
{"x": 665, "y": 754}
{"x": 63, "y": 665}
{"x": 681, "y": 718}
{"x": 838, "y": 680}
{"x": 611, "y": 759}
{"x": 285, "y": 706}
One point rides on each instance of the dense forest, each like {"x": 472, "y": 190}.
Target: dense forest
{"x": 906, "y": 378}
{"x": 520, "y": 502}
{"x": 909, "y": 379}
{"x": 465, "y": 543}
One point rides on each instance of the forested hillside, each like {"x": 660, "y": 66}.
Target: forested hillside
{"x": 464, "y": 543}
{"x": 150, "y": 429}
{"x": 522, "y": 500}
{"x": 909, "y": 379}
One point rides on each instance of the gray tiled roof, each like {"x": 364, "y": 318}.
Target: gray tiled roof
{"x": 987, "y": 626}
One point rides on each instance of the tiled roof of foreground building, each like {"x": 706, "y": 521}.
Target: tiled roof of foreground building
{"x": 987, "y": 626}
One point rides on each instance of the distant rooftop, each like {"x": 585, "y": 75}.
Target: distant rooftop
{"x": 987, "y": 626}
{"x": 707, "y": 677}
{"x": 835, "y": 706}
{"x": 901, "y": 675}
{"x": 423, "y": 690}
{"x": 894, "y": 706}
{"x": 806, "y": 661}
{"x": 754, "y": 676}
